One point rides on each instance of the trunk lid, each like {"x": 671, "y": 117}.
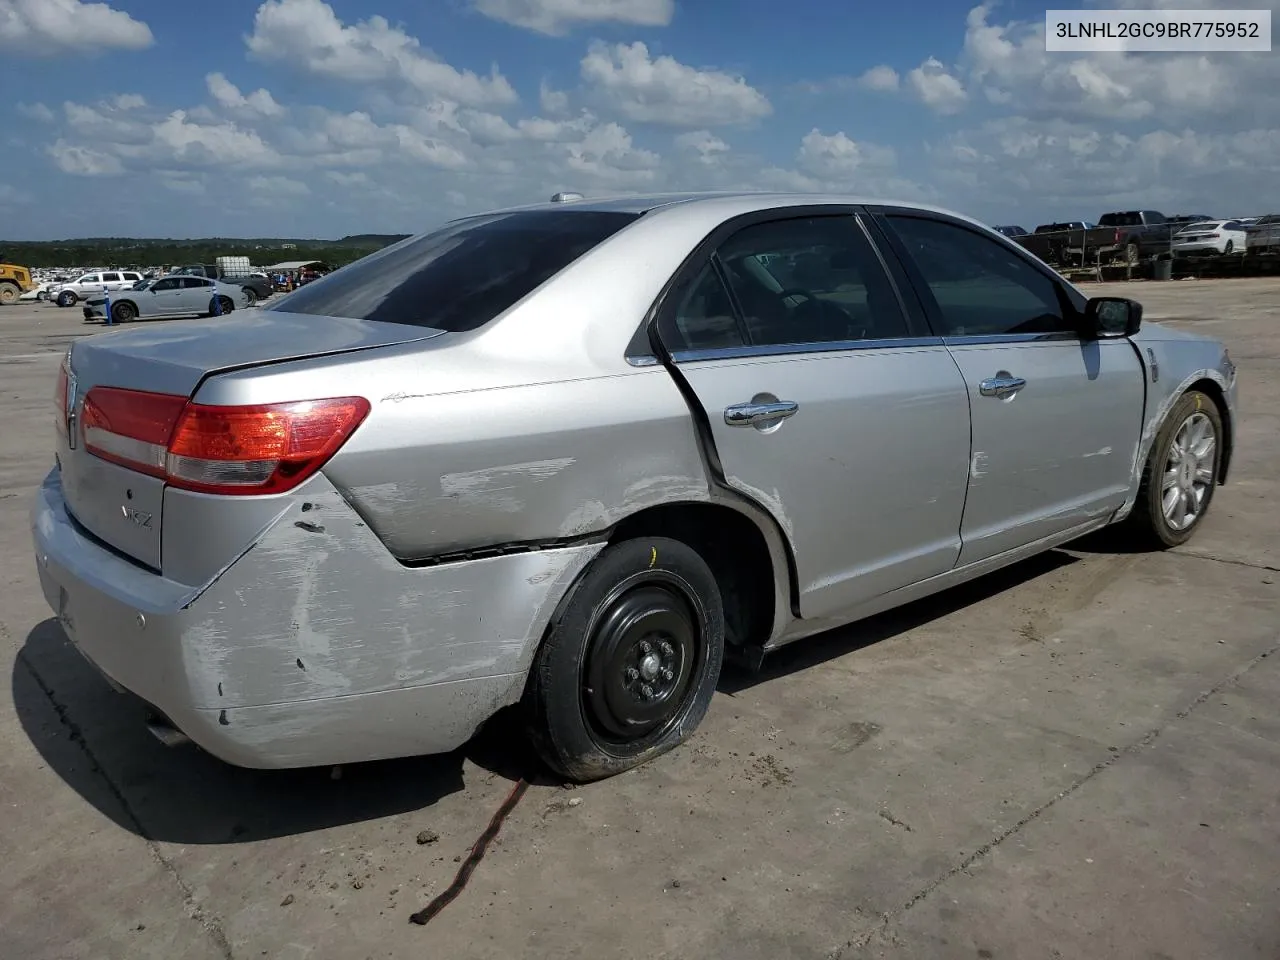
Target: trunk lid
{"x": 123, "y": 507}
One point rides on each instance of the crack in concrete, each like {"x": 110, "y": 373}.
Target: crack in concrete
{"x": 211, "y": 924}
{"x": 888, "y": 919}
{"x": 1226, "y": 560}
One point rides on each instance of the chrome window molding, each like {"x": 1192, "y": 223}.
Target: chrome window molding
{"x": 790, "y": 349}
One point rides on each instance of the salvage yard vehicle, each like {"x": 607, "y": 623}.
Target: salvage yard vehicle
{"x": 1210, "y": 238}
{"x": 171, "y": 296}
{"x": 14, "y": 282}
{"x": 91, "y": 284}
{"x": 576, "y": 455}
{"x": 1263, "y": 235}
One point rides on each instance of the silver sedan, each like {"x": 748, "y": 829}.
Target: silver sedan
{"x": 172, "y": 296}
{"x": 576, "y": 456}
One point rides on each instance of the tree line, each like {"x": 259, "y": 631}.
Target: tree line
{"x": 125, "y": 252}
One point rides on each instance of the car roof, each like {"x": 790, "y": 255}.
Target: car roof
{"x": 721, "y": 206}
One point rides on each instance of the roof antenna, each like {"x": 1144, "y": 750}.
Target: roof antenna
{"x": 566, "y": 197}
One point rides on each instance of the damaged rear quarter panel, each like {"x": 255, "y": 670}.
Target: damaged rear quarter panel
{"x": 464, "y": 450}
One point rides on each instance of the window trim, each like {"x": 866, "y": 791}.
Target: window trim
{"x": 1071, "y": 300}
{"x": 649, "y": 344}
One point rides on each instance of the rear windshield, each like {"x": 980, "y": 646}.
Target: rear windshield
{"x": 461, "y": 276}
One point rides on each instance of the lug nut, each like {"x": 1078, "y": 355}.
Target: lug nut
{"x": 667, "y": 674}
{"x": 632, "y": 673}
{"x": 645, "y": 646}
{"x": 667, "y": 649}
{"x": 647, "y": 692}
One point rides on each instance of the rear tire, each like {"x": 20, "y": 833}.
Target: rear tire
{"x": 251, "y": 296}
{"x": 1227, "y": 250}
{"x": 630, "y": 661}
{"x": 1180, "y": 476}
{"x": 9, "y": 293}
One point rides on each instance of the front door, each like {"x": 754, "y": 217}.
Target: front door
{"x": 825, "y": 406}
{"x": 1056, "y": 418}
{"x": 166, "y": 295}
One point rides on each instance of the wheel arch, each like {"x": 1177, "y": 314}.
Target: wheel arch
{"x": 749, "y": 556}
{"x": 1213, "y": 390}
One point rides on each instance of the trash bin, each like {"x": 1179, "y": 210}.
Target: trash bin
{"x": 1162, "y": 270}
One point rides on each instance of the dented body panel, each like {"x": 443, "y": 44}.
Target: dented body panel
{"x": 396, "y": 599}
{"x": 275, "y": 662}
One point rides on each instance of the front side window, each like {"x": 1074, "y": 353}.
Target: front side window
{"x": 162, "y": 285}
{"x": 810, "y": 280}
{"x": 981, "y": 287}
{"x": 461, "y": 276}
{"x": 88, "y": 278}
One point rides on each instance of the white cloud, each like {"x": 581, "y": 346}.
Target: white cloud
{"x": 664, "y": 91}
{"x": 228, "y": 95}
{"x": 607, "y": 153}
{"x": 82, "y": 161}
{"x": 128, "y": 101}
{"x": 210, "y": 144}
{"x": 181, "y": 184}
{"x": 556, "y": 17}
{"x": 880, "y": 78}
{"x": 936, "y": 87}
{"x": 36, "y": 111}
{"x": 44, "y": 27}
{"x": 703, "y": 145}
{"x": 308, "y": 35}
{"x": 279, "y": 186}
{"x": 551, "y": 100}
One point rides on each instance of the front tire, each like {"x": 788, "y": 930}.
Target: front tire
{"x": 1180, "y": 475}
{"x": 67, "y": 299}
{"x": 123, "y": 312}
{"x": 630, "y": 661}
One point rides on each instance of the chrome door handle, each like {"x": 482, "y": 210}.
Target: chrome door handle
{"x": 1002, "y": 386}
{"x": 750, "y": 414}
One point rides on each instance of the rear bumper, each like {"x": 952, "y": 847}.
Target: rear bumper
{"x": 315, "y": 647}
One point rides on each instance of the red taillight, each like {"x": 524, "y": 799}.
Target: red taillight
{"x": 266, "y": 448}
{"x": 1119, "y": 236}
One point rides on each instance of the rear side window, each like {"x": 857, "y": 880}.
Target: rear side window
{"x": 461, "y": 276}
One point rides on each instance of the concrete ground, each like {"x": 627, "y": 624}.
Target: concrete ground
{"x": 1077, "y": 757}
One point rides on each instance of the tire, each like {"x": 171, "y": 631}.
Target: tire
{"x": 645, "y": 616}
{"x": 1226, "y": 251}
{"x": 1132, "y": 254}
{"x": 221, "y": 306}
{"x": 9, "y": 293}
{"x": 123, "y": 312}
{"x": 251, "y": 296}
{"x": 1149, "y": 523}
{"x": 67, "y": 299}
{"x": 43, "y": 296}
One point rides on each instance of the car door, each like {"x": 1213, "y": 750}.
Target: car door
{"x": 196, "y": 294}
{"x": 1056, "y": 417}
{"x": 827, "y": 403}
{"x": 88, "y": 285}
{"x": 164, "y": 299}
{"x": 111, "y": 282}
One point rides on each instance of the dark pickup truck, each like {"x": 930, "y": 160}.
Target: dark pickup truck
{"x": 257, "y": 286}
{"x": 1130, "y": 235}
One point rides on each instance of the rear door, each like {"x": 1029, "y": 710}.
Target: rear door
{"x": 195, "y": 295}
{"x": 1056, "y": 418}
{"x": 826, "y": 402}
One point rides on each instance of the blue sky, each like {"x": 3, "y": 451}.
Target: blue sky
{"x": 328, "y": 117}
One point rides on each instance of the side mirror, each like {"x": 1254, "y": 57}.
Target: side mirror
{"x": 1111, "y": 317}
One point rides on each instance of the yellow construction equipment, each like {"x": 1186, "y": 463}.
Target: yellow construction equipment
{"x": 14, "y": 281}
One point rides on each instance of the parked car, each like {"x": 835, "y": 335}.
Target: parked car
{"x": 172, "y": 296}
{"x": 1263, "y": 236}
{"x": 69, "y": 294}
{"x": 1011, "y": 231}
{"x": 496, "y": 464}
{"x": 256, "y": 286}
{"x": 1211, "y": 237}
{"x": 1131, "y": 234}
{"x": 38, "y": 293}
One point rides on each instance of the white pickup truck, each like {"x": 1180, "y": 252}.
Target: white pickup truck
{"x": 69, "y": 294}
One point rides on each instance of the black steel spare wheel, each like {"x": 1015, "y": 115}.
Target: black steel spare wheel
{"x": 630, "y": 660}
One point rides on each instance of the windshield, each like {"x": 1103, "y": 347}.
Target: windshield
{"x": 461, "y": 276}
{"x": 141, "y": 285}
